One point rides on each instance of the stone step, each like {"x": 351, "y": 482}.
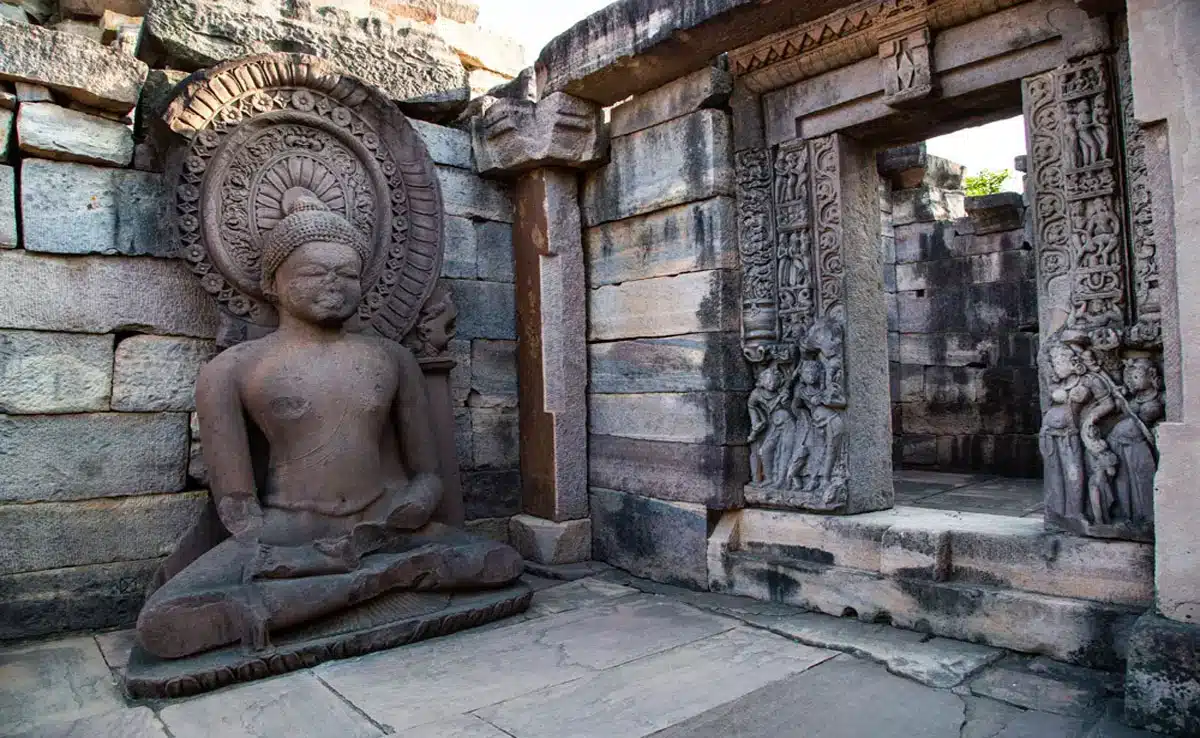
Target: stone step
{"x": 955, "y": 547}
{"x": 1075, "y": 631}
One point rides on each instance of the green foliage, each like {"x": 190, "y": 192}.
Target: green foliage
{"x": 987, "y": 182}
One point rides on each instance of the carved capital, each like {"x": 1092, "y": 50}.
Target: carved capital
{"x": 518, "y": 135}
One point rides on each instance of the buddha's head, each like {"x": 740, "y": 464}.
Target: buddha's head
{"x": 312, "y": 262}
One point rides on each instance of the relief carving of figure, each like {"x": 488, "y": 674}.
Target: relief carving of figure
{"x": 1079, "y": 124}
{"x": 322, "y": 464}
{"x": 1097, "y": 440}
{"x": 1133, "y": 441}
{"x": 772, "y": 426}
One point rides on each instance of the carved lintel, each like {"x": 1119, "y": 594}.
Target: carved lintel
{"x": 846, "y": 36}
{"x": 905, "y": 65}
{"x": 514, "y": 136}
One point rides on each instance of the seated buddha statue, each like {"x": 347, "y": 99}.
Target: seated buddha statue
{"x": 322, "y": 465}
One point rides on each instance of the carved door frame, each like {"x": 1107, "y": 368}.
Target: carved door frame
{"x": 1086, "y": 237}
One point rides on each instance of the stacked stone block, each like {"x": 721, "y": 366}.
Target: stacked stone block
{"x": 478, "y": 269}
{"x": 103, "y": 330}
{"x": 667, "y": 384}
{"x": 963, "y": 325}
{"x": 101, "y": 337}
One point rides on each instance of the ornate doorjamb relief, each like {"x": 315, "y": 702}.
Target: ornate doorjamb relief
{"x": 1102, "y": 345}
{"x": 794, "y": 323}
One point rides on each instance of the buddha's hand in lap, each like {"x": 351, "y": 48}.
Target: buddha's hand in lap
{"x": 324, "y": 556}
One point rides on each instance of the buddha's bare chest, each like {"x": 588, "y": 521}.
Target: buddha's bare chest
{"x": 295, "y": 393}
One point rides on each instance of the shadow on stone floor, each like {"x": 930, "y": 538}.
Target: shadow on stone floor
{"x": 608, "y": 655}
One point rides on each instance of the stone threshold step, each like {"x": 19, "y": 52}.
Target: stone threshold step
{"x": 1075, "y": 631}
{"x": 946, "y": 546}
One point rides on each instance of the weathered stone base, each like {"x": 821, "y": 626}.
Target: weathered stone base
{"x": 547, "y": 542}
{"x": 395, "y": 619}
{"x": 980, "y": 578}
{"x": 1162, "y": 679}
{"x": 1128, "y": 531}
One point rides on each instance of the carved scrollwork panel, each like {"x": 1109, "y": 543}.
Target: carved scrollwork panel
{"x": 258, "y": 127}
{"x": 1102, "y": 375}
{"x": 797, "y": 409}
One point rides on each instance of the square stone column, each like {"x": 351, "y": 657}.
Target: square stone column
{"x": 542, "y": 144}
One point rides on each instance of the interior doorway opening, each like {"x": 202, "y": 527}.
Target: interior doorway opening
{"x": 959, "y": 272}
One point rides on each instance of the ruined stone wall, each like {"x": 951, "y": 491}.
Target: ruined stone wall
{"x": 667, "y": 384}
{"x": 103, "y": 329}
{"x": 963, "y": 325}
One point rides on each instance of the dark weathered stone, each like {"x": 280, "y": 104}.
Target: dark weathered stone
{"x": 75, "y": 457}
{"x": 687, "y": 238}
{"x": 692, "y": 363}
{"x": 677, "y": 162}
{"x": 713, "y": 476}
{"x": 662, "y": 541}
{"x": 39, "y": 603}
{"x": 102, "y": 294}
{"x": 707, "y": 88}
{"x": 717, "y": 418}
{"x": 52, "y": 535}
{"x": 485, "y": 309}
{"x": 492, "y": 494}
{"x": 1003, "y": 211}
{"x": 387, "y": 622}
{"x": 1162, "y": 678}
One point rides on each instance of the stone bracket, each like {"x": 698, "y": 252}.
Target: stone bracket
{"x": 514, "y": 136}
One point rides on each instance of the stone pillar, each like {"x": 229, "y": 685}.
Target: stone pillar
{"x": 542, "y": 144}
{"x": 814, "y": 325}
{"x": 1162, "y": 689}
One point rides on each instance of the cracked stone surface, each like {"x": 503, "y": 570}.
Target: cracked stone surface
{"x": 608, "y": 656}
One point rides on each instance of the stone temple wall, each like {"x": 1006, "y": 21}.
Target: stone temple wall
{"x": 103, "y": 330}
{"x": 962, "y": 320}
{"x": 667, "y": 385}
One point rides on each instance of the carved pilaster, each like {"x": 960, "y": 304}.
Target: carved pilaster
{"x": 1099, "y": 348}
{"x": 795, "y": 327}
{"x": 760, "y": 305}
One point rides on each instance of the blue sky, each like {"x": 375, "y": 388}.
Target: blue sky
{"x": 535, "y": 22}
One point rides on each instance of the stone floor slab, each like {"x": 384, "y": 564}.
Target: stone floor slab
{"x": 296, "y": 706}
{"x": 935, "y": 662}
{"x": 54, "y": 682}
{"x": 577, "y": 595}
{"x": 451, "y": 676}
{"x": 133, "y": 722}
{"x": 653, "y": 693}
{"x": 841, "y": 698}
{"x": 1037, "y": 685}
{"x": 115, "y": 645}
{"x": 466, "y": 726}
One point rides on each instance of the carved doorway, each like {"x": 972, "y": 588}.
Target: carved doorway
{"x": 812, "y": 107}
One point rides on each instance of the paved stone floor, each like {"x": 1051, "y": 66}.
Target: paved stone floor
{"x": 605, "y": 656}
{"x": 976, "y": 493}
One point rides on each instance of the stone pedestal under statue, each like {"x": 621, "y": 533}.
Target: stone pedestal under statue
{"x": 311, "y": 211}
